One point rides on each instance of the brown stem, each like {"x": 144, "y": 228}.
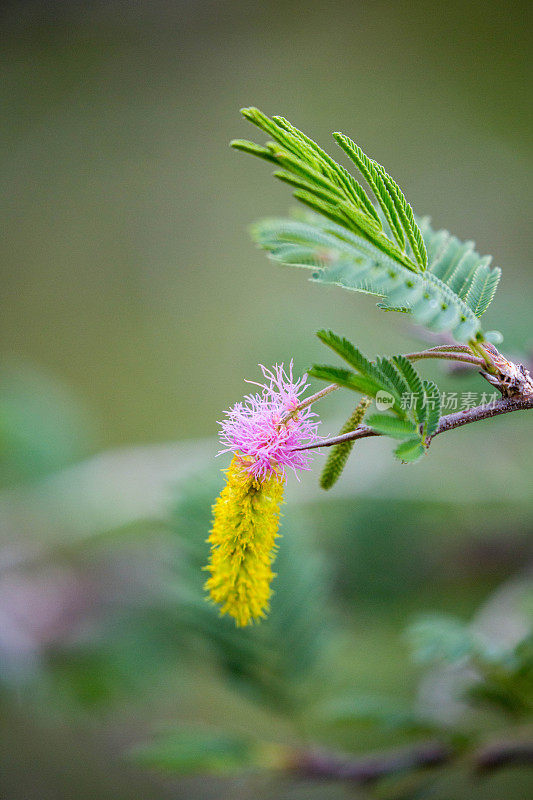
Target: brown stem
{"x": 361, "y": 432}
{"x": 447, "y": 423}
{"x": 504, "y": 406}
{"x": 503, "y": 754}
{"x": 323, "y": 765}
{"x": 368, "y": 769}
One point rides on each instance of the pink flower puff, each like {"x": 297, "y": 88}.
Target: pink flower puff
{"x": 253, "y": 430}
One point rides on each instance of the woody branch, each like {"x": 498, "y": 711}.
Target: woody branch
{"x": 512, "y": 380}
{"x": 446, "y": 423}
{"x": 431, "y": 754}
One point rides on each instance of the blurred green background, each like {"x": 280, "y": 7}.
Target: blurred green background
{"x": 134, "y": 305}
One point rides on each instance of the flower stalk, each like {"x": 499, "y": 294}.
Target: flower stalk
{"x": 308, "y": 401}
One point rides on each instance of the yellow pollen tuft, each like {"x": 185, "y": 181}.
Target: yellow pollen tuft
{"x": 245, "y": 529}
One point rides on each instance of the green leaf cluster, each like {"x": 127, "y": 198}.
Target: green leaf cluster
{"x": 413, "y": 423}
{"x": 376, "y": 247}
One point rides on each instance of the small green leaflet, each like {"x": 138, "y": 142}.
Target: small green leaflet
{"x": 393, "y": 427}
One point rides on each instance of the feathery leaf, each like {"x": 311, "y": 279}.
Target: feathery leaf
{"x": 397, "y": 387}
{"x": 330, "y": 189}
{"x": 416, "y": 386}
{"x": 368, "y": 169}
{"x": 346, "y": 378}
{"x": 483, "y": 288}
{"x": 343, "y": 258}
{"x": 441, "y": 281}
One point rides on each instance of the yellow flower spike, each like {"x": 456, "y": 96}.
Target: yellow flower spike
{"x": 243, "y": 543}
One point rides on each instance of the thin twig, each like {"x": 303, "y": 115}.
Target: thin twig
{"x": 368, "y": 769}
{"x": 504, "y": 406}
{"x": 362, "y": 432}
{"x": 456, "y": 420}
{"x": 504, "y": 754}
{"x": 323, "y": 765}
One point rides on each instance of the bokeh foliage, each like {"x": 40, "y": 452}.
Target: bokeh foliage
{"x": 107, "y": 277}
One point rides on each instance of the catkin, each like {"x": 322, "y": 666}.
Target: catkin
{"x": 243, "y": 543}
{"x": 338, "y": 456}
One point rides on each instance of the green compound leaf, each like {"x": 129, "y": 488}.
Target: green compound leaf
{"x": 339, "y": 453}
{"x": 414, "y": 404}
{"x": 395, "y": 378}
{"x": 353, "y": 356}
{"x": 416, "y": 386}
{"x": 369, "y": 374}
{"x": 395, "y": 207}
{"x": 483, "y": 288}
{"x": 382, "y": 249}
{"x": 327, "y": 187}
{"x": 346, "y": 378}
{"x": 405, "y": 392}
{"x": 329, "y": 166}
{"x": 461, "y": 268}
{"x": 340, "y": 257}
{"x": 368, "y": 169}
